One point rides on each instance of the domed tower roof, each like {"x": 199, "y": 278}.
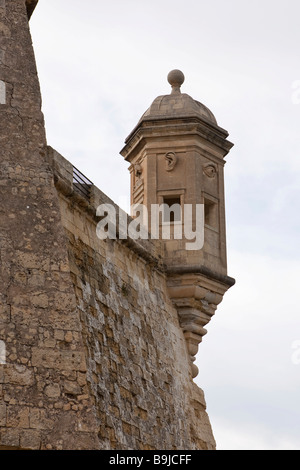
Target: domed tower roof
{"x": 177, "y": 104}
{"x": 176, "y": 113}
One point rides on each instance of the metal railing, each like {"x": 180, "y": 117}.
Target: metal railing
{"x": 81, "y": 183}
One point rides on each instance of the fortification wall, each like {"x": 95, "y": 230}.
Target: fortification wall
{"x": 39, "y": 321}
{"x": 137, "y": 362}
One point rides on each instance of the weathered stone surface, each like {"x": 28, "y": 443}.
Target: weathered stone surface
{"x": 18, "y": 374}
{"x": 136, "y": 357}
{"x": 37, "y": 301}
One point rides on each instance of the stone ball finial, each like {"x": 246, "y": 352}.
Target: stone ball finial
{"x": 176, "y": 79}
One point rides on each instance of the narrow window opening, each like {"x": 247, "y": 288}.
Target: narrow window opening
{"x": 172, "y": 213}
{"x": 210, "y": 213}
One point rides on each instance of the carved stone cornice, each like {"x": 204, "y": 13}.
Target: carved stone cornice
{"x": 183, "y": 128}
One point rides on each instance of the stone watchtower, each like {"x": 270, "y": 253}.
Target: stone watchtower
{"x": 176, "y": 154}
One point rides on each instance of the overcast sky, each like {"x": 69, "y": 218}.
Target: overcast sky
{"x": 101, "y": 64}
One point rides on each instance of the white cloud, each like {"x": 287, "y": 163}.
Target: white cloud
{"x": 249, "y": 437}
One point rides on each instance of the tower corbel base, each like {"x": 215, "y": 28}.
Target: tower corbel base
{"x": 195, "y": 298}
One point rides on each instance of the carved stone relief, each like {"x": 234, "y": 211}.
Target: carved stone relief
{"x": 138, "y": 189}
{"x": 210, "y": 170}
{"x": 171, "y": 160}
{"x": 138, "y": 171}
